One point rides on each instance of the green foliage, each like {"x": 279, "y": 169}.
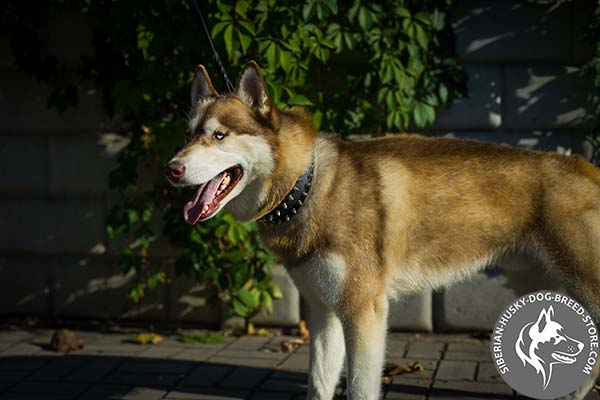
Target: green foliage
{"x": 592, "y": 67}
{"x": 360, "y": 66}
{"x": 202, "y": 339}
{"x": 390, "y": 55}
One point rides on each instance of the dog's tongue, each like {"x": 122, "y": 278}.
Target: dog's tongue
{"x": 201, "y": 204}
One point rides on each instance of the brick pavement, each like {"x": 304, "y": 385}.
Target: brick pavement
{"x": 108, "y": 367}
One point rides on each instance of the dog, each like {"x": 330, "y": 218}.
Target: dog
{"x": 356, "y": 223}
{"x": 542, "y": 344}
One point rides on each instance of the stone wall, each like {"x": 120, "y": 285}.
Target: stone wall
{"x": 523, "y": 62}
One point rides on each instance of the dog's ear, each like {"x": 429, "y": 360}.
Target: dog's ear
{"x": 544, "y": 318}
{"x": 202, "y": 87}
{"x": 252, "y": 89}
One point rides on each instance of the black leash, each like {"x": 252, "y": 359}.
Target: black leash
{"x": 195, "y": 6}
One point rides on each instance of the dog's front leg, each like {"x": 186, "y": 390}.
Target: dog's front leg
{"x": 365, "y": 332}
{"x": 326, "y": 351}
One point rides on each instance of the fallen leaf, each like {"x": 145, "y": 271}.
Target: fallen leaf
{"x": 303, "y": 329}
{"x": 147, "y": 338}
{"x": 391, "y": 369}
{"x": 203, "y": 339}
{"x": 65, "y": 340}
{"x": 289, "y": 345}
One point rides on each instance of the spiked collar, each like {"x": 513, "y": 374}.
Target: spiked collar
{"x": 291, "y": 203}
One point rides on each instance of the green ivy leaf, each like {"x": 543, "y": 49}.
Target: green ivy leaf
{"x": 228, "y": 38}
{"x": 247, "y": 298}
{"x": 300, "y": 100}
{"x": 239, "y": 308}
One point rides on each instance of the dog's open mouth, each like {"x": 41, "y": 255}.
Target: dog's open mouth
{"x": 210, "y": 194}
{"x": 563, "y": 358}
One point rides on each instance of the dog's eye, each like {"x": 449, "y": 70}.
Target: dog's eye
{"x": 219, "y": 135}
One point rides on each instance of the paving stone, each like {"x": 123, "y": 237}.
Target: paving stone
{"x": 486, "y": 372}
{"x": 276, "y": 385}
{"x": 104, "y": 391}
{"x": 20, "y": 363}
{"x": 456, "y": 370}
{"x": 79, "y": 164}
{"x": 249, "y": 343}
{"x": 12, "y": 376}
{"x": 426, "y": 350}
{"x": 24, "y": 296}
{"x": 290, "y": 375}
{"x": 32, "y": 174}
{"x": 296, "y": 362}
{"x": 407, "y": 389}
{"x": 56, "y": 370}
{"x": 467, "y": 356}
{"x": 206, "y": 375}
{"x": 145, "y": 393}
{"x": 92, "y": 371}
{"x": 194, "y": 354}
{"x": 161, "y": 352}
{"x": 205, "y": 394}
{"x": 250, "y": 362}
{"x": 245, "y": 378}
{"x": 269, "y": 396}
{"x": 546, "y": 97}
{"x": 49, "y": 388}
{"x": 460, "y": 307}
{"x": 286, "y": 311}
{"x": 56, "y": 220}
{"x": 28, "y": 396}
{"x": 481, "y": 108}
{"x": 479, "y": 347}
{"x": 14, "y": 335}
{"x": 243, "y": 354}
{"x": 471, "y": 390}
{"x": 122, "y": 350}
{"x": 166, "y": 366}
{"x": 143, "y": 378}
{"x": 395, "y": 348}
{"x": 21, "y": 349}
{"x": 509, "y": 31}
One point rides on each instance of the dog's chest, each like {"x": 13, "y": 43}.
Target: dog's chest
{"x": 321, "y": 279}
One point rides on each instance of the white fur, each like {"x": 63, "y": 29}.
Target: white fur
{"x": 252, "y": 153}
{"x": 323, "y": 276}
{"x": 321, "y": 280}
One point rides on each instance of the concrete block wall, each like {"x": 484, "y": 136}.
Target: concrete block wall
{"x": 523, "y": 59}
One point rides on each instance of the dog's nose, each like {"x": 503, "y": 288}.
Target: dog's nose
{"x": 175, "y": 170}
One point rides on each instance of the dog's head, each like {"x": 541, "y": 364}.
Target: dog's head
{"x": 544, "y": 343}
{"x": 231, "y": 152}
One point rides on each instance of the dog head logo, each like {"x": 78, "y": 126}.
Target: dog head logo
{"x": 542, "y": 344}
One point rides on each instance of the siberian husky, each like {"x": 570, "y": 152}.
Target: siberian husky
{"x": 358, "y": 222}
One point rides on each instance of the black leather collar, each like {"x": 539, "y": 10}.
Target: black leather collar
{"x": 292, "y": 201}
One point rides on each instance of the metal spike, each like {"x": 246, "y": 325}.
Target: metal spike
{"x": 304, "y": 194}
{"x": 294, "y": 211}
{"x": 284, "y": 206}
{"x": 287, "y": 217}
{"x": 299, "y": 202}
{"x": 296, "y": 189}
{"x": 291, "y": 198}
{"x": 271, "y": 218}
{"x": 278, "y": 213}
{"x": 308, "y": 184}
